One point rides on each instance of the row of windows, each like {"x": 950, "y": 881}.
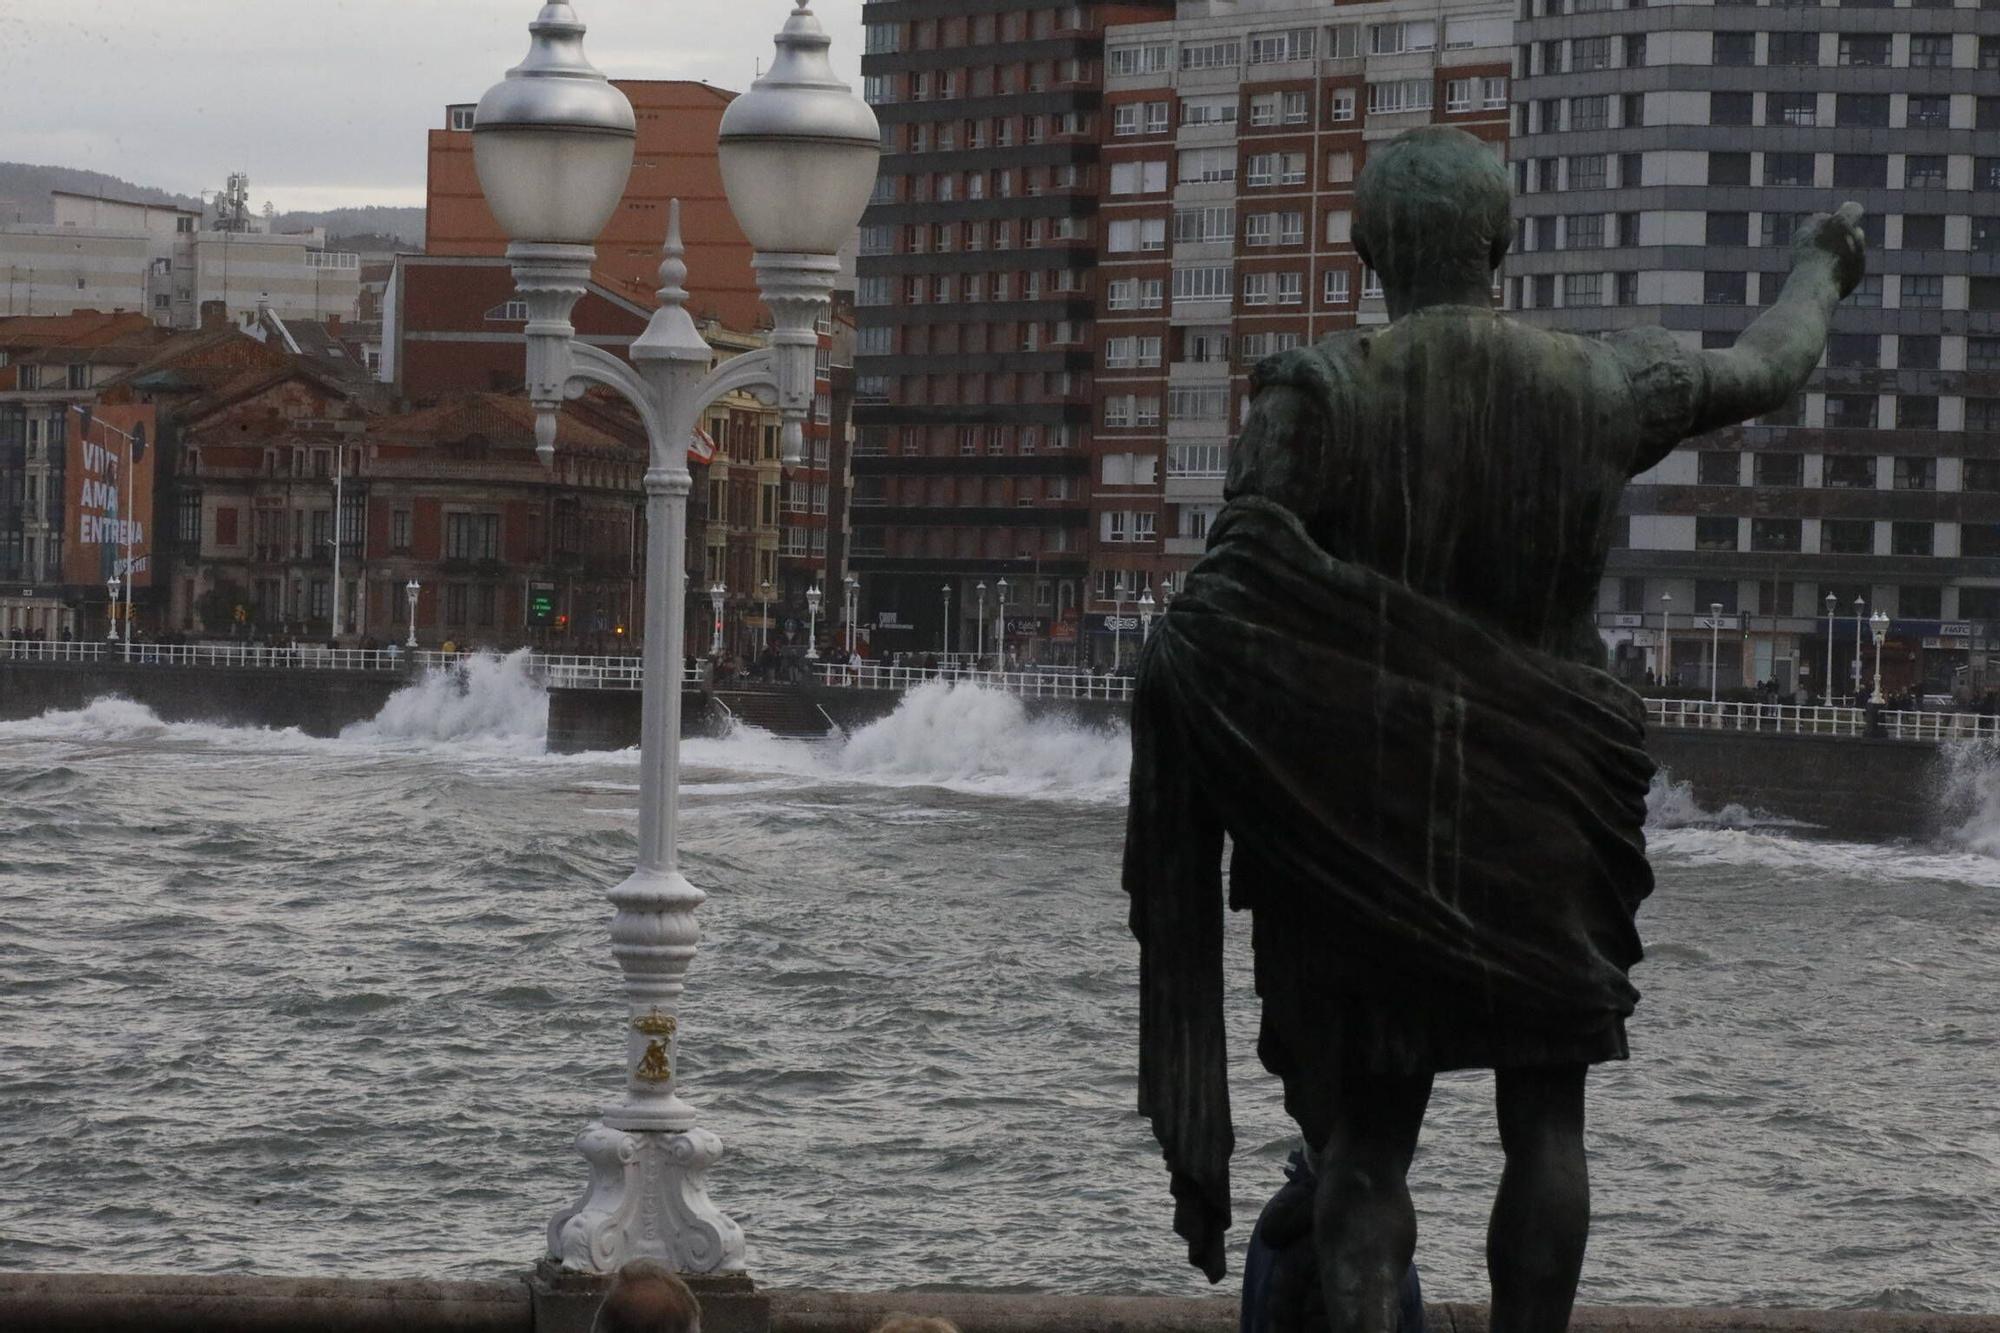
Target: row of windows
{"x": 1842, "y": 536}
{"x": 1588, "y": 231}
{"x": 1863, "y": 110}
{"x": 1915, "y": 291}
{"x": 1916, "y": 50}
{"x": 981, "y": 29}
{"x": 1855, "y": 170}
{"x": 1345, "y": 41}
{"x": 1849, "y": 472}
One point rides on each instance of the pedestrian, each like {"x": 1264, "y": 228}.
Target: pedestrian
{"x": 646, "y": 1297}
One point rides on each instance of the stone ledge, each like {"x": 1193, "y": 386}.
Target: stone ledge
{"x": 112, "y": 1302}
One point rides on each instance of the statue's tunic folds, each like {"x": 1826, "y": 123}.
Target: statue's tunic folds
{"x": 1379, "y": 683}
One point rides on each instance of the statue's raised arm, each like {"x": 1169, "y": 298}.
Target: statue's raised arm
{"x": 1772, "y": 359}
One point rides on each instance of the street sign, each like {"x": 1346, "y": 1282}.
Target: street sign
{"x": 541, "y": 603}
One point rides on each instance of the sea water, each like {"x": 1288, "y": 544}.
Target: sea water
{"x": 285, "y": 1005}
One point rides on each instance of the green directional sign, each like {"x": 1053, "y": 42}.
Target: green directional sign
{"x": 541, "y": 604}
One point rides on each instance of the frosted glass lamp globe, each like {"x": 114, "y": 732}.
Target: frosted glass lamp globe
{"x": 552, "y": 142}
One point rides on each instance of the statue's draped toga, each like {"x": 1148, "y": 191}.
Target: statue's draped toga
{"x": 1383, "y": 683}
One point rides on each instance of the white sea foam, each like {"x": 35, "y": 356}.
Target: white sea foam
{"x": 960, "y": 737}
{"x": 112, "y": 720}
{"x": 487, "y": 703}
{"x": 1970, "y": 795}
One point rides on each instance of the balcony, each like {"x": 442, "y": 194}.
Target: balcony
{"x": 1187, "y": 546}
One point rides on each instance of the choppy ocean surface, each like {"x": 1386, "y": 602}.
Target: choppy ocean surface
{"x": 284, "y": 1005}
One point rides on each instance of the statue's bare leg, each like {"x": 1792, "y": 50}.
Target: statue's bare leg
{"x": 1541, "y": 1218}
{"x": 1364, "y": 1226}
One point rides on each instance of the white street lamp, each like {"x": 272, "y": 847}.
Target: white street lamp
{"x": 1860, "y": 605}
{"x": 111, "y": 609}
{"x": 813, "y": 595}
{"x": 764, "y": 610}
{"x": 410, "y": 591}
{"x": 1714, "y": 646}
{"x": 947, "y": 619}
{"x": 853, "y": 610}
{"x": 1000, "y": 624}
{"x": 1827, "y": 688}
{"x": 979, "y": 624}
{"x": 1117, "y": 623}
{"x": 1666, "y": 639}
{"x": 553, "y": 147}
{"x": 716, "y": 594}
{"x": 1879, "y": 622}
{"x": 1145, "y": 617}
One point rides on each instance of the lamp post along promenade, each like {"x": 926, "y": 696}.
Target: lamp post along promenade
{"x": 1879, "y": 622}
{"x": 410, "y": 591}
{"x": 553, "y": 146}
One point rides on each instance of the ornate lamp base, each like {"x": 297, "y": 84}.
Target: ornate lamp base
{"x": 647, "y": 1199}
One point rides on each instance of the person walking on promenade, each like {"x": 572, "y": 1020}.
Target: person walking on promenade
{"x": 1403, "y": 577}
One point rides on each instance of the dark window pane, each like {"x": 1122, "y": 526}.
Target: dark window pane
{"x": 1866, "y": 109}
{"x": 1736, "y": 48}
{"x": 1850, "y": 473}
{"x": 1728, "y": 229}
{"x": 1774, "y": 534}
{"x": 1712, "y": 533}
{"x": 1779, "y": 169}
{"x": 1918, "y": 351}
{"x": 1860, "y": 170}
{"x": 1923, "y": 231}
{"x": 1848, "y": 411}
{"x": 1730, "y": 108}
{"x": 1854, "y": 349}
{"x": 1710, "y": 593}
{"x": 1917, "y": 412}
{"x": 1779, "y": 469}
{"x": 1846, "y": 536}
{"x": 1924, "y": 171}
{"x": 1729, "y": 168}
{"x": 1718, "y": 467}
{"x": 1724, "y": 288}
{"x": 1978, "y": 603}
{"x": 1978, "y": 539}
{"x": 1916, "y": 474}
{"x": 1791, "y": 108}
{"x": 1920, "y": 603}
{"x": 1909, "y": 538}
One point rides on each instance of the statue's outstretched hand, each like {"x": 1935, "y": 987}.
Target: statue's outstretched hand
{"x": 1838, "y": 235}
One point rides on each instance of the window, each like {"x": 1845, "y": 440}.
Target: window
{"x": 1267, "y": 48}
{"x": 1791, "y": 108}
{"x": 1792, "y": 48}
{"x": 1626, "y": 291}
{"x": 1206, "y": 165}
{"x": 1715, "y": 592}
{"x": 1730, "y": 168}
{"x": 1336, "y": 290}
{"x": 1926, "y": 171}
{"x": 1291, "y": 288}
{"x": 1735, "y": 48}
{"x": 1718, "y": 467}
{"x": 1387, "y": 39}
{"x": 1212, "y": 55}
{"x": 1493, "y": 92}
{"x": 1340, "y": 105}
{"x": 1928, "y": 113}
{"x": 1848, "y": 473}
{"x": 1930, "y": 50}
{"x": 472, "y": 536}
{"x": 1983, "y": 294}
{"x": 1125, "y": 119}
{"x": 1778, "y": 469}
{"x": 1402, "y": 95}
{"x": 1986, "y": 235}
{"x": 1589, "y": 53}
{"x": 1460, "y": 94}
{"x": 1208, "y": 111}
{"x": 1774, "y": 534}
{"x": 1982, "y": 414}
{"x": 1982, "y": 474}
{"x": 1339, "y": 227}
{"x": 1982, "y": 353}
{"x": 1204, "y": 283}
{"x": 1730, "y": 108}
{"x": 1980, "y": 540}
{"x": 1850, "y": 411}
{"x": 1204, "y": 403}
{"x": 1148, "y": 59}
{"x": 462, "y": 120}
{"x": 1923, "y": 291}
{"x": 1714, "y": 533}
{"x": 1202, "y": 225}
{"x": 1589, "y": 113}
{"x": 1868, "y": 110}
{"x": 1628, "y": 230}
{"x": 1915, "y": 474}
{"x": 1794, "y": 169}
{"x": 1862, "y": 170}
{"x": 1863, "y": 48}
{"x": 1583, "y": 289}
{"x": 1291, "y": 228}
{"x": 1728, "y": 229}
{"x": 1853, "y": 349}
{"x": 1910, "y": 538}
{"x": 1257, "y": 287}
{"x": 1923, "y": 231}
{"x": 1846, "y": 536}
{"x": 1586, "y": 172}
{"x": 1724, "y": 288}
{"x": 1339, "y": 167}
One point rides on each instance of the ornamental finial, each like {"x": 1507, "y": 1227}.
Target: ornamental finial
{"x": 673, "y": 269}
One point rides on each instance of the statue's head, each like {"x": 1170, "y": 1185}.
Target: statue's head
{"x": 1432, "y": 209}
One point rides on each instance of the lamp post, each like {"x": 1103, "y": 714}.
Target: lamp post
{"x": 1666, "y": 639}
{"x": 111, "y": 609}
{"x": 1860, "y": 605}
{"x": 1714, "y": 647}
{"x": 1879, "y": 622}
{"x": 764, "y": 616}
{"x": 1827, "y": 689}
{"x": 717, "y": 594}
{"x": 1145, "y": 618}
{"x": 410, "y": 591}
{"x": 553, "y": 146}
{"x": 853, "y": 610}
{"x": 1000, "y": 624}
{"x": 1117, "y": 623}
{"x": 979, "y": 624}
{"x": 947, "y": 619}
{"x": 813, "y": 595}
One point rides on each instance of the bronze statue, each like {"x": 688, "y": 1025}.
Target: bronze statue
{"x": 1383, "y": 683}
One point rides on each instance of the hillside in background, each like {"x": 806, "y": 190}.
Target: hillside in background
{"x": 24, "y": 197}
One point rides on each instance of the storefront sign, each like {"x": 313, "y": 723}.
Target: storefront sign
{"x": 107, "y": 513}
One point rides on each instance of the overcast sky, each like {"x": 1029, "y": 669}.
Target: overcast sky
{"x": 324, "y": 103}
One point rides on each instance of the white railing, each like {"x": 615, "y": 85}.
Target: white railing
{"x": 1029, "y": 684}
{"x": 1818, "y": 721}
{"x": 557, "y": 669}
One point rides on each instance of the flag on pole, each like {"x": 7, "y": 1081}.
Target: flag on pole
{"x": 701, "y": 446}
